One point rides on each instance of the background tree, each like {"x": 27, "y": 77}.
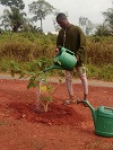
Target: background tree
{"x": 13, "y": 3}
{"x": 31, "y": 28}
{"x": 40, "y": 9}
{"x": 14, "y": 19}
{"x": 109, "y": 18}
{"x": 86, "y": 25}
{"x": 102, "y": 30}
{"x": 56, "y": 26}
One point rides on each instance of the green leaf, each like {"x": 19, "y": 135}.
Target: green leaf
{"x": 30, "y": 84}
{"x": 22, "y": 74}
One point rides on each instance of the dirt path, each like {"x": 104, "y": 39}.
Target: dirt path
{"x": 91, "y": 82}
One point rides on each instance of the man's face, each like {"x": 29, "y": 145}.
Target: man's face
{"x": 62, "y": 23}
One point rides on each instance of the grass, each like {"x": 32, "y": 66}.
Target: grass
{"x": 102, "y": 72}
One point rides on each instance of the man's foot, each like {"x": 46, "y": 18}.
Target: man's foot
{"x": 85, "y": 96}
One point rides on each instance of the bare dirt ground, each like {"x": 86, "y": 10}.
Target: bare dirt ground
{"x": 61, "y": 128}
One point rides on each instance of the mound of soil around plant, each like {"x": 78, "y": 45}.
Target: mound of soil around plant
{"x": 57, "y": 114}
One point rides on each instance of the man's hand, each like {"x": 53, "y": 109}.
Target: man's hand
{"x": 57, "y": 50}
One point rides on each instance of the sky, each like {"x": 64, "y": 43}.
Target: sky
{"x": 91, "y": 9}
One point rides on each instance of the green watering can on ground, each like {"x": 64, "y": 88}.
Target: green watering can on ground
{"x": 64, "y": 60}
{"x": 103, "y": 119}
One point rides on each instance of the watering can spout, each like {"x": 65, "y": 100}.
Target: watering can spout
{"x": 91, "y": 108}
{"x": 52, "y": 67}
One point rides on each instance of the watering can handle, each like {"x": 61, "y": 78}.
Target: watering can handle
{"x": 70, "y": 52}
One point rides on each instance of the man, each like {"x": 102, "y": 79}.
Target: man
{"x": 72, "y": 38}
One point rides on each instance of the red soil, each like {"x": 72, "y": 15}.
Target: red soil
{"x": 61, "y": 128}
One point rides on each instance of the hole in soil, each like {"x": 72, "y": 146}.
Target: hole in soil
{"x": 57, "y": 114}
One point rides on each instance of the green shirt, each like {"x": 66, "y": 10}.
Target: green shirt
{"x": 73, "y": 39}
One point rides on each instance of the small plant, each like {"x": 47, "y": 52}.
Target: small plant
{"x": 36, "y": 79}
{"x": 45, "y": 93}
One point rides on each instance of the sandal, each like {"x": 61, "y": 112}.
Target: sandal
{"x": 69, "y": 101}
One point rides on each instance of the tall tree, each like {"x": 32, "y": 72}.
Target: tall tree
{"x": 40, "y": 9}
{"x": 109, "y": 17}
{"x": 86, "y": 25}
{"x": 13, "y": 19}
{"x": 13, "y": 3}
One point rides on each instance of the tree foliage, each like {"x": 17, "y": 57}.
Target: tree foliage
{"x": 109, "y": 18}
{"x": 13, "y": 19}
{"x": 102, "y": 30}
{"x": 40, "y": 9}
{"x": 86, "y": 25}
{"x": 13, "y": 3}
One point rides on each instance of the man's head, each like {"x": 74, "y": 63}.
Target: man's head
{"x": 61, "y": 18}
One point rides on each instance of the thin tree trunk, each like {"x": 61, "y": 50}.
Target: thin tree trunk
{"x": 41, "y": 25}
{"x": 15, "y": 29}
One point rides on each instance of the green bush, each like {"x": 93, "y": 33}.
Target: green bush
{"x": 36, "y": 51}
{"x": 25, "y": 46}
{"x": 100, "y": 52}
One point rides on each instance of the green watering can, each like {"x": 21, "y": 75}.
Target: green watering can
{"x": 103, "y": 119}
{"x": 64, "y": 60}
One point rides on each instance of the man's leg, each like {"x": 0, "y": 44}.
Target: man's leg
{"x": 68, "y": 78}
{"x": 82, "y": 75}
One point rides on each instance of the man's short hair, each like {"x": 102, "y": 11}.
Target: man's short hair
{"x": 61, "y": 16}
